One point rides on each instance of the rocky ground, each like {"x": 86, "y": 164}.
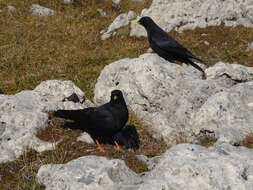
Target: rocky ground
{"x": 193, "y": 133}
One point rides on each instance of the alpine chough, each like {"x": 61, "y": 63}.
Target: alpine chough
{"x": 166, "y": 47}
{"x": 106, "y": 120}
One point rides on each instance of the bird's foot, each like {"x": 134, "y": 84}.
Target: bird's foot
{"x": 179, "y": 69}
{"x": 100, "y": 147}
{"x": 117, "y": 146}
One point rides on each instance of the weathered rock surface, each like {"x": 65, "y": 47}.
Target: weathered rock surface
{"x": 68, "y": 2}
{"x": 185, "y": 14}
{"x": 120, "y": 21}
{"x": 102, "y": 13}
{"x": 85, "y": 137}
{"x": 90, "y": 172}
{"x": 175, "y": 102}
{"x": 22, "y": 115}
{"x": 116, "y": 4}
{"x": 220, "y": 167}
{"x": 228, "y": 114}
{"x": 250, "y": 46}
{"x": 11, "y": 9}
{"x": 40, "y": 10}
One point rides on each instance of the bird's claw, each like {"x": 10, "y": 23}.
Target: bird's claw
{"x": 117, "y": 146}
{"x": 100, "y": 147}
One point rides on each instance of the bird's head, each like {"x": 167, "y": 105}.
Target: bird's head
{"x": 145, "y": 21}
{"x": 117, "y": 97}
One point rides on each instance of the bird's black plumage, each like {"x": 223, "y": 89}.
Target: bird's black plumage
{"x": 107, "y": 119}
{"x": 165, "y": 46}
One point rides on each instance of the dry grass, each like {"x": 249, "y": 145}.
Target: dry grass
{"x": 21, "y": 174}
{"x": 248, "y": 141}
{"x": 68, "y": 46}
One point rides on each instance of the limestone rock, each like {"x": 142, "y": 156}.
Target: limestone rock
{"x": 90, "y": 172}
{"x": 85, "y": 137}
{"x": 228, "y": 114}
{"x": 11, "y": 9}
{"x": 139, "y": 1}
{"x": 169, "y": 97}
{"x": 22, "y": 115}
{"x": 102, "y": 13}
{"x": 250, "y": 46}
{"x": 220, "y": 167}
{"x": 68, "y": 2}
{"x": 116, "y": 4}
{"x": 185, "y": 14}
{"x": 122, "y": 20}
{"x": 40, "y": 11}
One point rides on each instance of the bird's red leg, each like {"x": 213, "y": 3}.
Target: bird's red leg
{"x": 117, "y": 146}
{"x": 100, "y": 147}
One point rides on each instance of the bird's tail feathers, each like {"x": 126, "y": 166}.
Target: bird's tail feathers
{"x": 67, "y": 114}
{"x": 199, "y": 68}
{"x": 199, "y": 60}
{"x": 191, "y": 56}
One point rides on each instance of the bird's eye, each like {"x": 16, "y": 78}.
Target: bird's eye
{"x": 115, "y": 97}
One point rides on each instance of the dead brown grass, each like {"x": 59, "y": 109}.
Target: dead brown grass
{"x": 21, "y": 174}
{"x": 248, "y": 141}
{"x": 67, "y": 44}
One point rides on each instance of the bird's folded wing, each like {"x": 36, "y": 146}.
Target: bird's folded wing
{"x": 101, "y": 116}
{"x": 173, "y": 47}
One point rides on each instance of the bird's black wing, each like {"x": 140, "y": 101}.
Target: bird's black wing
{"x": 168, "y": 44}
{"x": 172, "y": 47}
{"x": 177, "y": 51}
{"x": 95, "y": 117}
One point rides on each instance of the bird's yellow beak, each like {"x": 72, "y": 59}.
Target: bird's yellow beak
{"x": 115, "y": 97}
{"x": 136, "y": 23}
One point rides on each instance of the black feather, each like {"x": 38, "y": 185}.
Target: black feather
{"x": 166, "y": 47}
{"x": 107, "y": 119}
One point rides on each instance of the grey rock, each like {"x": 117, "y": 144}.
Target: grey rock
{"x": 120, "y": 21}
{"x": 116, "y": 4}
{"x": 236, "y": 72}
{"x": 139, "y": 1}
{"x": 185, "y": 14}
{"x": 40, "y": 11}
{"x": 228, "y": 113}
{"x": 220, "y": 167}
{"x": 11, "y": 9}
{"x": 85, "y": 137}
{"x": 105, "y": 36}
{"x": 149, "y": 50}
{"x": 206, "y": 43}
{"x": 250, "y": 46}
{"x": 68, "y": 2}
{"x": 169, "y": 97}
{"x": 102, "y": 13}
{"x": 22, "y": 115}
{"x": 90, "y": 172}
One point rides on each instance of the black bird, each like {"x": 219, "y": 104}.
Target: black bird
{"x": 166, "y": 47}
{"x": 106, "y": 120}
